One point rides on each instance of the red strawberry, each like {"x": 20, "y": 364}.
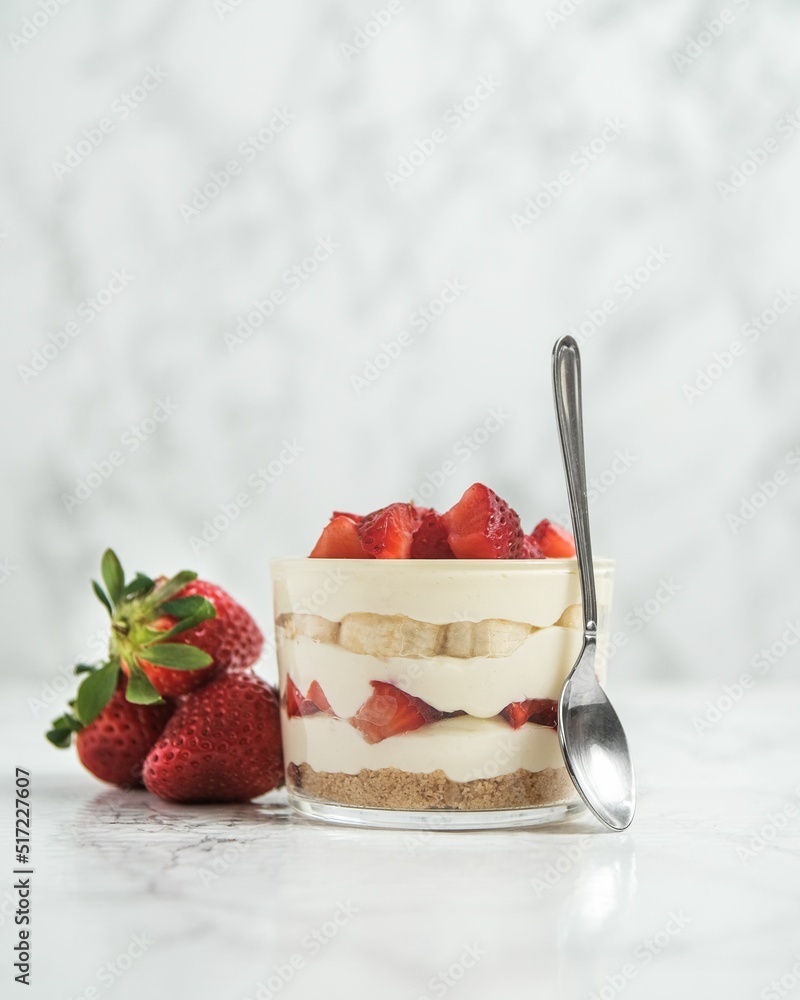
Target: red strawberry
{"x": 430, "y": 537}
{"x": 387, "y": 533}
{"x": 554, "y": 541}
{"x": 223, "y": 744}
{"x": 530, "y": 549}
{"x": 483, "y": 526}
{"x": 389, "y": 711}
{"x": 230, "y": 638}
{"x": 339, "y": 539}
{"x": 541, "y": 711}
{"x": 314, "y": 701}
{"x": 113, "y": 747}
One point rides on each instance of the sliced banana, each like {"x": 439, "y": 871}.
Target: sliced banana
{"x": 572, "y": 617}
{"x": 389, "y": 635}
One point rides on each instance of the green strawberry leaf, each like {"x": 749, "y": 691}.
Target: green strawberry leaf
{"x": 182, "y": 607}
{"x": 196, "y": 609}
{"x": 113, "y": 577}
{"x": 101, "y": 596}
{"x": 60, "y": 737}
{"x": 138, "y": 586}
{"x": 84, "y": 668}
{"x": 176, "y": 656}
{"x": 173, "y": 586}
{"x": 140, "y": 691}
{"x": 96, "y": 690}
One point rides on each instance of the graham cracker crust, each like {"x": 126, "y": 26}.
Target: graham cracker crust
{"x": 391, "y": 788}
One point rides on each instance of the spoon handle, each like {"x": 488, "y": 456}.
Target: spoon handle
{"x": 567, "y": 390}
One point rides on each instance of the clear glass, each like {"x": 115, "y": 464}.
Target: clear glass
{"x": 420, "y": 694}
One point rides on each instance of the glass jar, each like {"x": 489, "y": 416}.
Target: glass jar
{"x": 423, "y": 693}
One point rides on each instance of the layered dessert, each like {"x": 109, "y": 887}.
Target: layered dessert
{"x": 428, "y": 678}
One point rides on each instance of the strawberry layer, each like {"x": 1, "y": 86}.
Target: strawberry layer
{"x": 464, "y": 748}
{"x": 481, "y": 686}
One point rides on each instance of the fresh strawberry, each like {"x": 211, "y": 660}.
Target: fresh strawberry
{"x": 389, "y": 711}
{"x": 541, "y": 711}
{"x": 339, "y": 540}
{"x": 530, "y": 549}
{"x": 172, "y": 635}
{"x": 114, "y": 744}
{"x": 223, "y": 744}
{"x": 554, "y": 541}
{"x": 430, "y": 537}
{"x": 483, "y": 526}
{"x": 296, "y": 704}
{"x": 387, "y": 533}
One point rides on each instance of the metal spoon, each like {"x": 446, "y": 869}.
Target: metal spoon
{"x": 592, "y": 738}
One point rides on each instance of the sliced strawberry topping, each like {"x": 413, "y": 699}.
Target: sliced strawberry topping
{"x": 530, "y": 549}
{"x": 293, "y": 699}
{"x": 339, "y": 540}
{"x": 541, "y": 711}
{"x": 483, "y": 526}
{"x": 389, "y": 711}
{"x": 387, "y": 533}
{"x": 554, "y": 541}
{"x": 430, "y": 537}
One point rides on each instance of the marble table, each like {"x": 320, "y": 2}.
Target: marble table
{"x": 133, "y": 897}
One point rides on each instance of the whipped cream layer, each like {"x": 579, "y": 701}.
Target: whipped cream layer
{"x": 480, "y": 686}
{"x": 439, "y": 591}
{"x": 464, "y": 748}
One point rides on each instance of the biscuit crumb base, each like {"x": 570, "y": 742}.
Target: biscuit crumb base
{"x": 391, "y": 788}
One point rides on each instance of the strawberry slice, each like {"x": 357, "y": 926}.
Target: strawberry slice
{"x": 297, "y": 705}
{"x": 530, "y": 549}
{"x": 430, "y": 537}
{"x": 483, "y": 526}
{"x": 540, "y": 711}
{"x": 387, "y": 533}
{"x": 389, "y": 711}
{"x": 339, "y": 540}
{"x": 316, "y": 697}
{"x": 554, "y": 541}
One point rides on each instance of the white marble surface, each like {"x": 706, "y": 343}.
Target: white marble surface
{"x": 686, "y": 903}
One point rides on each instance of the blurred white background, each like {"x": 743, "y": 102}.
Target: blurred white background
{"x": 626, "y": 170}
